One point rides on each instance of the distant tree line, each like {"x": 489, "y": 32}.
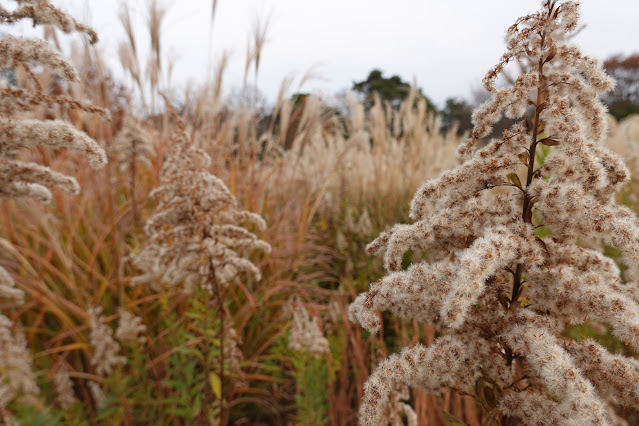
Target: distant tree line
{"x": 456, "y": 112}
{"x": 622, "y": 101}
{"x": 394, "y": 90}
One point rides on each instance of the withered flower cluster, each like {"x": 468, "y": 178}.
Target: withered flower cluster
{"x": 509, "y": 233}
{"x": 198, "y": 236}
{"x": 195, "y": 235}
{"x": 18, "y": 99}
{"x": 306, "y": 334}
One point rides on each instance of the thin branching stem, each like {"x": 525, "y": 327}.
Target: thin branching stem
{"x": 526, "y": 213}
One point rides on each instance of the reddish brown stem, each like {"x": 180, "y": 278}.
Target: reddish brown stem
{"x": 526, "y": 213}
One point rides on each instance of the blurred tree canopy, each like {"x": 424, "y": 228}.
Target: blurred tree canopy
{"x": 459, "y": 111}
{"x": 392, "y": 89}
{"x": 624, "y": 99}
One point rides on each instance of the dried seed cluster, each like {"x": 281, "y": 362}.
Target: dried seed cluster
{"x": 25, "y": 179}
{"x": 499, "y": 292}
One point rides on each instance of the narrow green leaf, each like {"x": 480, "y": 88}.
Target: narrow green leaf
{"x": 523, "y": 158}
{"x": 216, "y": 385}
{"x": 452, "y": 420}
{"x": 514, "y": 178}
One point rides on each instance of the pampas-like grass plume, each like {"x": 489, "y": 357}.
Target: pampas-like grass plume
{"x": 132, "y": 145}
{"x": 501, "y": 292}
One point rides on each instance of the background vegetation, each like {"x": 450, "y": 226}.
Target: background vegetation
{"x": 325, "y": 179}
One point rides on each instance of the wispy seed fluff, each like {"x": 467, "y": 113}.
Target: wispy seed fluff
{"x": 305, "y": 334}
{"x": 499, "y": 294}
{"x": 130, "y": 328}
{"x": 8, "y": 291}
{"x": 198, "y": 234}
{"x": 64, "y": 388}
{"x": 106, "y": 351}
{"x": 19, "y": 179}
{"x": 97, "y": 394}
{"x": 16, "y": 377}
{"x": 132, "y": 145}
{"x": 42, "y": 12}
{"x": 22, "y": 179}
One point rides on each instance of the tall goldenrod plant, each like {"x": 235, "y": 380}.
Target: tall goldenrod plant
{"x": 509, "y": 272}
{"x": 199, "y": 236}
{"x": 18, "y": 98}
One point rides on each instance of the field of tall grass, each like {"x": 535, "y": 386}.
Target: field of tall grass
{"x": 137, "y": 312}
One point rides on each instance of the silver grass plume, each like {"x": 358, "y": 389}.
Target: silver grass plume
{"x": 132, "y": 145}
{"x": 500, "y": 292}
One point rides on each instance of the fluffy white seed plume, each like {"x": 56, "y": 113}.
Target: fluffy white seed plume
{"x": 16, "y": 377}
{"x": 306, "y": 334}
{"x": 130, "y": 328}
{"x": 42, "y": 12}
{"x": 132, "y": 145}
{"x": 16, "y": 51}
{"x": 536, "y": 408}
{"x": 197, "y": 234}
{"x": 557, "y": 369}
{"x": 499, "y": 293}
{"x": 18, "y": 179}
{"x": 106, "y": 351}
{"x": 64, "y": 388}
{"x": 451, "y": 361}
{"x": 22, "y": 179}
{"x": 20, "y": 134}
{"x": 616, "y": 376}
{"x": 8, "y": 289}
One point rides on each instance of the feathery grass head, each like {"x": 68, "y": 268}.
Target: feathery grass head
{"x": 42, "y": 12}
{"x": 132, "y": 144}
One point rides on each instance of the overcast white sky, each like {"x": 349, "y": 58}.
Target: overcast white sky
{"x": 446, "y": 45}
